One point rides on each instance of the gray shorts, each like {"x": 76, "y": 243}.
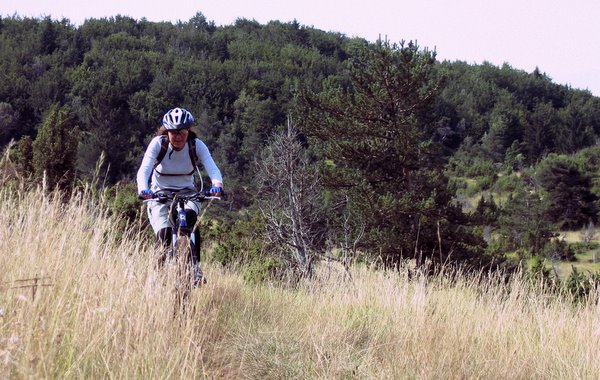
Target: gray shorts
{"x": 158, "y": 213}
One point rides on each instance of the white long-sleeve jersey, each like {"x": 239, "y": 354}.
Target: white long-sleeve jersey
{"x": 175, "y": 171}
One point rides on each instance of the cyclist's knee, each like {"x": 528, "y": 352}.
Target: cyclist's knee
{"x": 190, "y": 217}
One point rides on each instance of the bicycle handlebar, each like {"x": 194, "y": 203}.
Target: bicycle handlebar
{"x": 164, "y": 196}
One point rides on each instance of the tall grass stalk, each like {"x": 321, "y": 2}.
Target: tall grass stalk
{"x": 75, "y": 302}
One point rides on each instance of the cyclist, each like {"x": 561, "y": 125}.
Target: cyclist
{"x": 168, "y": 165}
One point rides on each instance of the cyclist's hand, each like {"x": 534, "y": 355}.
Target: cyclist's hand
{"x": 146, "y": 194}
{"x": 216, "y": 191}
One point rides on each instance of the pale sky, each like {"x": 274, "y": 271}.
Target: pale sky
{"x": 560, "y": 37}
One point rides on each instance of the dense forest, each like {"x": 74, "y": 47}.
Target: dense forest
{"x": 331, "y": 147}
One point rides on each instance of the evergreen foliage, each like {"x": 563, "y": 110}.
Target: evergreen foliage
{"x": 499, "y": 108}
{"x": 572, "y": 202}
{"x": 522, "y": 224}
{"x": 23, "y": 156}
{"x": 389, "y": 124}
{"x": 55, "y": 149}
{"x": 487, "y": 211}
{"x": 376, "y": 135}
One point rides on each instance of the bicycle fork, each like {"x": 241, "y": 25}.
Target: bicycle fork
{"x": 182, "y": 226}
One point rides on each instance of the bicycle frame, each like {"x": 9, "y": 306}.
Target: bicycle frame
{"x": 178, "y": 217}
{"x": 180, "y": 226}
{"x": 184, "y": 256}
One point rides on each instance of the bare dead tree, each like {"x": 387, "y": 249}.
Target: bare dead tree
{"x": 349, "y": 243}
{"x": 290, "y": 200}
{"x": 588, "y": 233}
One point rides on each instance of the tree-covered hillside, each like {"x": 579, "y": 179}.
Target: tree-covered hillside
{"x": 392, "y": 132}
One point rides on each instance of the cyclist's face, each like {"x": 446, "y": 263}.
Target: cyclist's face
{"x": 178, "y": 138}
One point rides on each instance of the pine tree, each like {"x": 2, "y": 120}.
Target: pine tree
{"x": 23, "y": 156}
{"x": 55, "y": 149}
{"x": 572, "y": 202}
{"x": 375, "y": 132}
{"x": 521, "y": 224}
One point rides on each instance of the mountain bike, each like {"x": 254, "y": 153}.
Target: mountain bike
{"x": 180, "y": 255}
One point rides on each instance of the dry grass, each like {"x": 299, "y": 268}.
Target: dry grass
{"x": 108, "y": 313}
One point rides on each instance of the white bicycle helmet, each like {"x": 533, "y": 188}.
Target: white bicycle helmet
{"x": 178, "y": 118}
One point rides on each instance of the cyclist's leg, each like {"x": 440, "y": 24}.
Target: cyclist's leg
{"x": 164, "y": 238}
{"x": 191, "y": 218}
{"x": 198, "y": 244}
{"x": 192, "y": 209}
{"x": 158, "y": 215}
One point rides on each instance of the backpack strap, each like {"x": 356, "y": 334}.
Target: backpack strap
{"x": 164, "y": 147}
{"x": 192, "y": 149}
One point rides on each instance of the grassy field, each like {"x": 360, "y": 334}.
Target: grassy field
{"x": 100, "y": 309}
{"x": 585, "y": 262}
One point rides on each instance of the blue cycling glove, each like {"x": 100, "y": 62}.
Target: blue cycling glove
{"x": 216, "y": 191}
{"x": 146, "y": 194}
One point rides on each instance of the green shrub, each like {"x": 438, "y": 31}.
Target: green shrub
{"x": 537, "y": 270}
{"x": 457, "y": 183}
{"x": 559, "y": 250}
{"x": 581, "y": 247}
{"x": 508, "y": 183}
{"x": 486, "y": 182}
{"x": 122, "y": 202}
{"x": 262, "y": 270}
{"x": 481, "y": 168}
{"x": 239, "y": 243}
{"x": 242, "y": 245}
{"x": 579, "y": 286}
